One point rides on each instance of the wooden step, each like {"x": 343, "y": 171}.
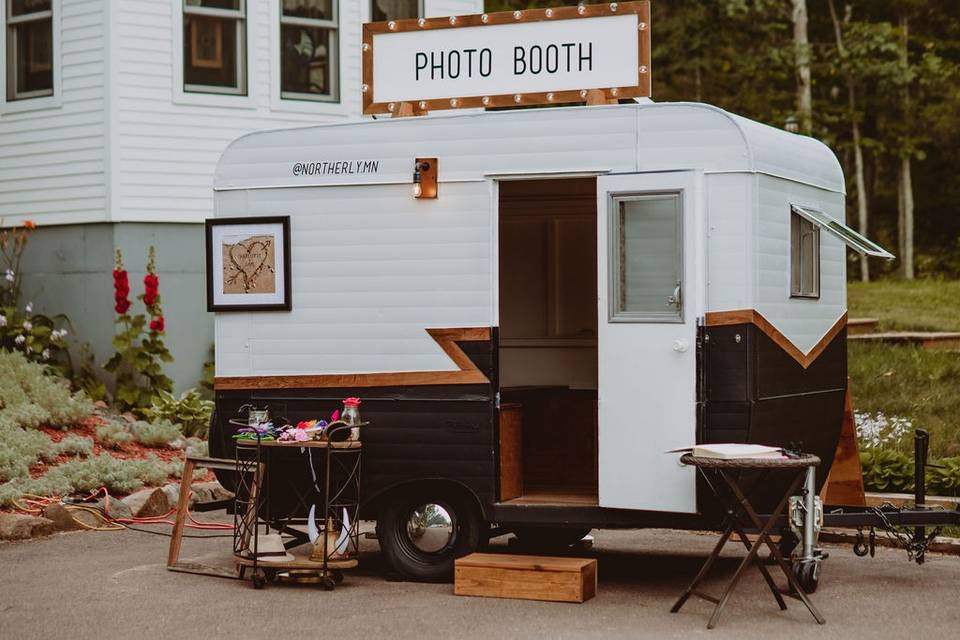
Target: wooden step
{"x": 906, "y": 500}
{"x": 496, "y": 575}
{"x": 859, "y": 326}
{"x": 939, "y": 340}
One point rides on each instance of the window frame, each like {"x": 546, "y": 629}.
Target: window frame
{"x": 241, "y": 19}
{"x": 797, "y": 270}
{"x": 334, "y": 52}
{"x": 421, "y": 9}
{"x": 39, "y": 101}
{"x": 614, "y": 235}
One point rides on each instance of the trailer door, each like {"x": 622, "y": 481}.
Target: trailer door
{"x": 649, "y": 301}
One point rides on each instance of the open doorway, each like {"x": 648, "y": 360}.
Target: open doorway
{"x": 548, "y": 341}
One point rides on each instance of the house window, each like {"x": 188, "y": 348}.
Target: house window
{"x": 214, "y": 46}
{"x": 804, "y": 257}
{"x": 309, "y": 44}
{"x": 29, "y": 48}
{"x": 381, "y": 10}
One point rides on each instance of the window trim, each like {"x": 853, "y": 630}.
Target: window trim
{"x": 241, "y": 18}
{"x": 204, "y": 98}
{"x": 421, "y": 9}
{"x": 51, "y": 100}
{"x": 799, "y": 292}
{"x": 613, "y": 259}
{"x": 335, "y": 54}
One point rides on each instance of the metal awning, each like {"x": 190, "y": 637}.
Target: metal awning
{"x": 851, "y": 238}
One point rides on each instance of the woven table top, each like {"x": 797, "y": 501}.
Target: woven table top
{"x": 805, "y": 460}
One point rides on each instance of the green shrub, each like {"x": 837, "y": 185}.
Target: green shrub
{"x": 190, "y": 410}
{"x": 155, "y": 434}
{"x": 21, "y": 449}
{"x": 886, "y": 470}
{"x": 113, "y": 434}
{"x": 944, "y": 481}
{"x": 198, "y": 449}
{"x": 74, "y": 445}
{"x": 30, "y": 396}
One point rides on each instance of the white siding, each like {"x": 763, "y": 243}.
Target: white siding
{"x": 367, "y": 280}
{"x": 52, "y": 160}
{"x": 729, "y": 202}
{"x": 167, "y": 142}
{"x": 802, "y": 321}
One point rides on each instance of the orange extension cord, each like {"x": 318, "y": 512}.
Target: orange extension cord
{"x": 33, "y": 504}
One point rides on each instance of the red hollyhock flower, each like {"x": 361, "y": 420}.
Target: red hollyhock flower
{"x": 121, "y": 289}
{"x": 151, "y": 289}
{"x": 157, "y": 324}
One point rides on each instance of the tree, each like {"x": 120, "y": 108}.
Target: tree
{"x": 801, "y": 53}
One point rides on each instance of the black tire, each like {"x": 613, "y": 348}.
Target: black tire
{"x": 808, "y": 575}
{"x": 550, "y": 537}
{"x": 259, "y": 579}
{"x": 403, "y": 554}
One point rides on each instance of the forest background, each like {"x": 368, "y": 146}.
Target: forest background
{"x": 878, "y": 81}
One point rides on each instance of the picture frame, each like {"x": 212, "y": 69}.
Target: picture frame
{"x": 248, "y": 264}
{"x": 206, "y": 43}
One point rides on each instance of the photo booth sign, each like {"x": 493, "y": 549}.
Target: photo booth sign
{"x": 590, "y": 53}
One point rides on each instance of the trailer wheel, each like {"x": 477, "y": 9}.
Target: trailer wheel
{"x": 423, "y": 531}
{"x": 807, "y": 574}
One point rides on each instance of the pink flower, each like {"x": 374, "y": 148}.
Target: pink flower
{"x": 335, "y": 415}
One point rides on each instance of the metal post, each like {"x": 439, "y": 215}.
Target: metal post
{"x": 921, "y": 444}
{"x": 809, "y": 507}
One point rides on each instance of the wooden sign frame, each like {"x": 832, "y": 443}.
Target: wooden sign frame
{"x": 639, "y": 8}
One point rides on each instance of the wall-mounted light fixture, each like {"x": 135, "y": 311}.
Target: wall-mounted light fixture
{"x": 791, "y": 124}
{"x": 425, "y": 178}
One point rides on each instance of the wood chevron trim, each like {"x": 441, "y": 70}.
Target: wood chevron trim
{"x": 467, "y": 372}
{"x": 752, "y": 316}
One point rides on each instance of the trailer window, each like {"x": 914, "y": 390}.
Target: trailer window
{"x": 804, "y": 257}
{"x": 29, "y": 48}
{"x": 214, "y": 46}
{"x": 381, "y": 10}
{"x": 309, "y": 48}
{"x": 646, "y": 259}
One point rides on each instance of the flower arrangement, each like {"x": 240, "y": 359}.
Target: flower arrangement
{"x": 139, "y": 344}
{"x": 303, "y": 431}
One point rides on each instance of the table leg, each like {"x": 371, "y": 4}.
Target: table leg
{"x": 703, "y": 570}
{"x": 775, "y": 552}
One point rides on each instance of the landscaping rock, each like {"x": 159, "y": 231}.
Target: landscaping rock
{"x": 88, "y": 518}
{"x": 116, "y": 508}
{"x": 61, "y": 518}
{"x": 173, "y": 494}
{"x": 213, "y": 489}
{"x": 147, "y": 503}
{"x": 18, "y": 526}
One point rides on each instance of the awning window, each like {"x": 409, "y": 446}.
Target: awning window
{"x": 854, "y": 240}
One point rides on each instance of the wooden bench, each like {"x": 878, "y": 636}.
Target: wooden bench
{"x": 526, "y": 577}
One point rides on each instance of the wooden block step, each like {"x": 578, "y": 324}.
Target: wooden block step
{"x": 494, "y": 575}
{"x": 860, "y": 326}
{"x": 942, "y": 340}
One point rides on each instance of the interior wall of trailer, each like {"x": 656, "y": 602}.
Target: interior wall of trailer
{"x": 548, "y": 285}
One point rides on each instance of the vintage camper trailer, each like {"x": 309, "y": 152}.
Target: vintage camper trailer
{"x": 589, "y": 288}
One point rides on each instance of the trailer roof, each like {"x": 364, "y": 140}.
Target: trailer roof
{"x": 475, "y": 145}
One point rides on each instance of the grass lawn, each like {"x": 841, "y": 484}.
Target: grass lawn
{"x": 914, "y": 383}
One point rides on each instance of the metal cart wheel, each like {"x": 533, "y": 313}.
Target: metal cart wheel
{"x": 337, "y": 576}
{"x": 259, "y": 579}
{"x": 807, "y": 574}
{"x": 328, "y": 583}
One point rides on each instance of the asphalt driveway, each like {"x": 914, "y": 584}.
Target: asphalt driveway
{"x": 114, "y": 585}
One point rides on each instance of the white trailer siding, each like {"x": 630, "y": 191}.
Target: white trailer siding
{"x": 454, "y": 238}
{"x": 53, "y": 159}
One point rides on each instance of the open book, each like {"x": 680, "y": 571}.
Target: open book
{"x": 732, "y": 451}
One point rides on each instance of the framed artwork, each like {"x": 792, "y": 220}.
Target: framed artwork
{"x": 248, "y": 264}
{"x": 206, "y": 43}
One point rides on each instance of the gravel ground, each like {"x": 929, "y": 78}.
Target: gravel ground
{"x": 114, "y": 585}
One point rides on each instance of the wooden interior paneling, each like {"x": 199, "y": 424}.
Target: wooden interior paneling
{"x": 511, "y": 451}
{"x": 559, "y": 439}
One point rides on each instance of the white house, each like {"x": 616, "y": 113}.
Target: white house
{"x": 113, "y": 115}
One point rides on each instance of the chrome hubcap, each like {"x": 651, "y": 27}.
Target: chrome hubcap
{"x": 430, "y": 528}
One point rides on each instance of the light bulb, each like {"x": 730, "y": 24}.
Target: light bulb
{"x": 417, "y": 190}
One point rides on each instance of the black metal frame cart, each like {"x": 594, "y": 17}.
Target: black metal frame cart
{"x": 721, "y": 476}
{"x": 335, "y": 495}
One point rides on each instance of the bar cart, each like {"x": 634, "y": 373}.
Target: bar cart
{"x": 333, "y": 500}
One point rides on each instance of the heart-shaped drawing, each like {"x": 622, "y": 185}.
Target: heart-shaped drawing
{"x": 249, "y": 258}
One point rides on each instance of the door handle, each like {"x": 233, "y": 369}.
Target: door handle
{"x": 673, "y": 300}
{"x": 681, "y": 346}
